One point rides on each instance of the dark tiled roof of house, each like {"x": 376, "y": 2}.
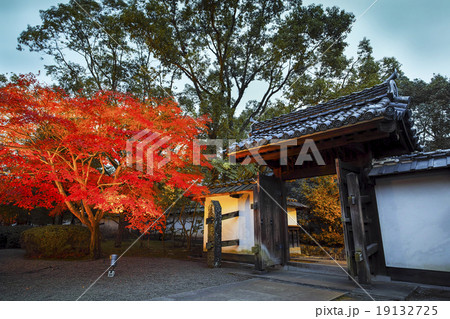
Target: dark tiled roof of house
{"x": 294, "y": 203}
{"x": 418, "y": 161}
{"x": 232, "y": 187}
{"x": 379, "y": 101}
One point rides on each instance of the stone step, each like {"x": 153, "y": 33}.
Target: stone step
{"x": 316, "y": 267}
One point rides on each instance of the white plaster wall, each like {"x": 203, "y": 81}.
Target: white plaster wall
{"x": 414, "y": 215}
{"x": 292, "y": 216}
{"x": 234, "y": 228}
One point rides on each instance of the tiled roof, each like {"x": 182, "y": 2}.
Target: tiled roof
{"x": 418, "y": 161}
{"x": 232, "y": 187}
{"x": 379, "y": 101}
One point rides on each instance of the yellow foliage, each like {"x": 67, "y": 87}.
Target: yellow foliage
{"x": 322, "y": 196}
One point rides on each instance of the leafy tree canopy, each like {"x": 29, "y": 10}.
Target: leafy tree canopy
{"x": 430, "y": 103}
{"x": 92, "y": 50}
{"x": 57, "y": 149}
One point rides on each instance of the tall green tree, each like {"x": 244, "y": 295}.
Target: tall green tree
{"x": 355, "y": 74}
{"x": 225, "y": 47}
{"x": 3, "y": 79}
{"x": 430, "y": 103}
{"x": 92, "y": 50}
{"x": 323, "y": 220}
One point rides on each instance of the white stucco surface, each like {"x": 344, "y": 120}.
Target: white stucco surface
{"x": 414, "y": 215}
{"x": 234, "y": 228}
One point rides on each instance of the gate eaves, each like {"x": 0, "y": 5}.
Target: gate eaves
{"x": 372, "y": 123}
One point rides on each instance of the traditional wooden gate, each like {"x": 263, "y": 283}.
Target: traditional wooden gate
{"x": 271, "y": 237}
{"x": 361, "y": 229}
{"x": 373, "y": 123}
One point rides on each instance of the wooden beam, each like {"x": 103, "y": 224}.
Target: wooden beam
{"x": 323, "y": 144}
{"x": 309, "y": 172}
{"x": 210, "y": 220}
{"x": 348, "y": 220}
{"x": 227, "y": 194}
{"x": 372, "y": 249}
{"x": 230, "y": 215}
{"x": 388, "y": 126}
{"x": 233, "y": 242}
{"x": 356, "y": 147}
{"x": 223, "y": 243}
{"x": 241, "y": 258}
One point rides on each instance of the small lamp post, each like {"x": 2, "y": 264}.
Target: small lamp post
{"x": 111, "y": 271}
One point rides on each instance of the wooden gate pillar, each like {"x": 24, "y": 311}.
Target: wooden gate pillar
{"x": 359, "y": 237}
{"x": 214, "y": 244}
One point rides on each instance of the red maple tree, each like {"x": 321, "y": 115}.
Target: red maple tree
{"x": 72, "y": 150}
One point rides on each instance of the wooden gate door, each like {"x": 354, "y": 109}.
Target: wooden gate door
{"x": 271, "y": 227}
{"x": 359, "y": 217}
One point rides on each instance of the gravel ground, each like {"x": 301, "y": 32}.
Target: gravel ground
{"x": 136, "y": 278}
{"x": 429, "y": 294}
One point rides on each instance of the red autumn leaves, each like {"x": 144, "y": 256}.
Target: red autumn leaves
{"x": 56, "y": 148}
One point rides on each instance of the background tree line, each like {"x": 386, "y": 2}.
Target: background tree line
{"x": 212, "y": 56}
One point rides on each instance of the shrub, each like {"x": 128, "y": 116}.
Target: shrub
{"x": 10, "y": 235}
{"x": 56, "y": 241}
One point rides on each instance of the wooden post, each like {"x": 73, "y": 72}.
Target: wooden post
{"x": 217, "y": 234}
{"x": 343, "y": 194}
{"x": 210, "y": 230}
{"x": 257, "y": 229}
{"x": 359, "y": 238}
{"x": 284, "y": 228}
{"x": 214, "y": 244}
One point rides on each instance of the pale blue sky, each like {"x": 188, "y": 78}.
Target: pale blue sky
{"x": 416, "y": 32}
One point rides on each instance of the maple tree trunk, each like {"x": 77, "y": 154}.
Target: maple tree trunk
{"x": 94, "y": 246}
{"x": 188, "y": 242}
{"x": 120, "y": 230}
